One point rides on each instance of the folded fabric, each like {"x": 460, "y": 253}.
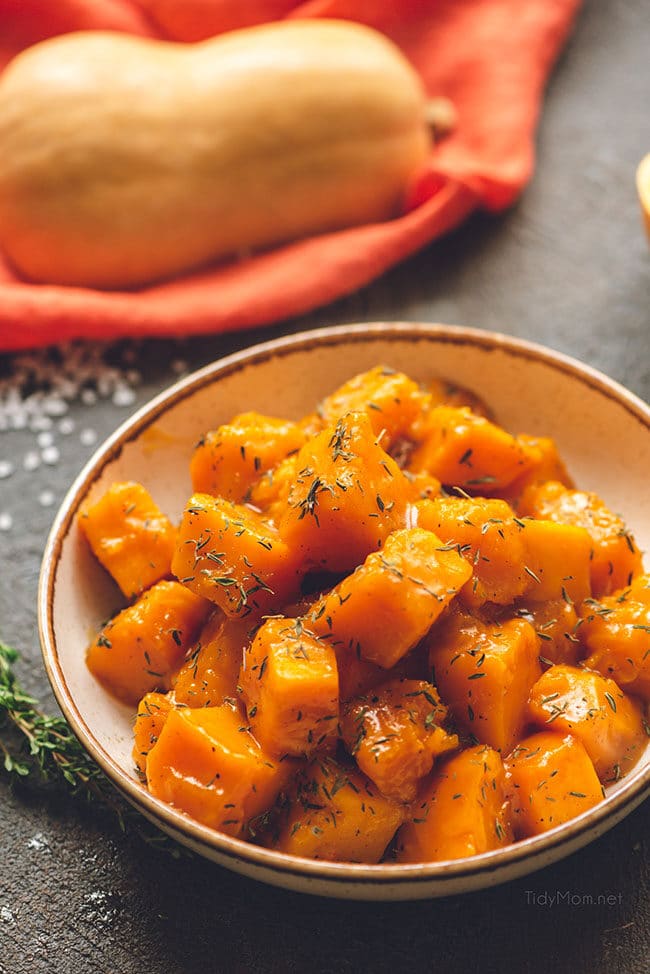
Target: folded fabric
{"x": 490, "y": 57}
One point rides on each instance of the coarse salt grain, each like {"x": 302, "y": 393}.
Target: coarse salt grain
{"x": 123, "y": 396}
{"x": 54, "y": 406}
{"x": 36, "y": 393}
{"x": 42, "y": 384}
{"x": 38, "y": 842}
{"x": 105, "y": 383}
{"x": 50, "y": 455}
{"x": 45, "y": 439}
{"x": 67, "y": 389}
{"x": 88, "y": 397}
{"x": 40, "y": 423}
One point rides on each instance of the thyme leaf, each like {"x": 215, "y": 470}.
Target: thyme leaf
{"x": 48, "y": 750}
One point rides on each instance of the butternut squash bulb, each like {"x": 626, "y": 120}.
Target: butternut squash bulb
{"x": 125, "y": 160}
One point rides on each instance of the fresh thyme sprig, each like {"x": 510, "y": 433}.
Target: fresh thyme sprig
{"x": 48, "y": 748}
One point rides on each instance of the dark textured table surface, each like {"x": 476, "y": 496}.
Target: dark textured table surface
{"x": 569, "y": 267}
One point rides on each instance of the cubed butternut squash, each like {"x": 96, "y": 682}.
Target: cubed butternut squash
{"x": 270, "y": 493}
{"x": 230, "y": 459}
{"x": 348, "y": 496}
{"x": 488, "y": 535}
{"x": 390, "y": 399}
{"x": 616, "y": 559}
{"x": 130, "y": 536}
{"x": 337, "y": 814}
{"x": 461, "y": 812}
{"x": 143, "y": 645}
{"x": 394, "y": 734}
{"x": 421, "y": 486}
{"x": 149, "y": 722}
{"x": 485, "y": 671}
{"x": 550, "y": 780}
{"x": 208, "y": 765}
{"x": 556, "y": 624}
{"x": 290, "y": 686}
{"x": 210, "y": 673}
{"x": 466, "y": 450}
{"x": 391, "y": 601}
{"x": 545, "y": 464}
{"x": 558, "y": 561}
{"x": 356, "y": 675}
{"x": 615, "y": 632}
{"x": 230, "y": 555}
{"x": 374, "y": 605}
{"x": 594, "y": 709}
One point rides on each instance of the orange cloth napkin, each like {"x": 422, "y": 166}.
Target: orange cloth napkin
{"x": 490, "y": 57}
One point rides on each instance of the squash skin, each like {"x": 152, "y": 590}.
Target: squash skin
{"x": 126, "y": 160}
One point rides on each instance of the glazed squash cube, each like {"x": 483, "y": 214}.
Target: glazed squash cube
{"x": 230, "y": 459}
{"x": 421, "y": 486}
{"x": 391, "y": 601}
{"x": 130, "y": 536}
{"x": 484, "y": 672}
{"x": 391, "y": 400}
{"x": 616, "y": 559}
{"x": 556, "y": 624}
{"x": 468, "y": 451}
{"x": 356, "y": 675}
{"x": 637, "y": 591}
{"x": 230, "y": 555}
{"x": 551, "y": 779}
{"x": 347, "y": 498}
{"x": 290, "y": 686}
{"x": 149, "y": 722}
{"x": 210, "y": 673}
{"x": 489, "y": 537}
{"x": 558, "y": 561}
{"x": 270, "y": 493}
{"x": 337, "y": 814}
{"x": 545, "y": 464}
{"x": 143, "y": 645}
{"x": 461, "y": 812}
{"x": 394, "y": 734}
{"x": 595, "y": 710}
{"x": 208, "y": 765}
{"x": 616, "y": 633}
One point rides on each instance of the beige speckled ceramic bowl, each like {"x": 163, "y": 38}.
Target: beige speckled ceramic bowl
{"x": 602, "y": 431}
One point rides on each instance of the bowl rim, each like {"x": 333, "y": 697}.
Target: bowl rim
{"x": 613, "y": 806}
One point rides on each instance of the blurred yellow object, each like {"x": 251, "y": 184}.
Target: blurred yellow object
{"x": 643, "y": 188}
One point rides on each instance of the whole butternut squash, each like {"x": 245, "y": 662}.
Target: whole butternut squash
{"x": 124, "y": 160}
